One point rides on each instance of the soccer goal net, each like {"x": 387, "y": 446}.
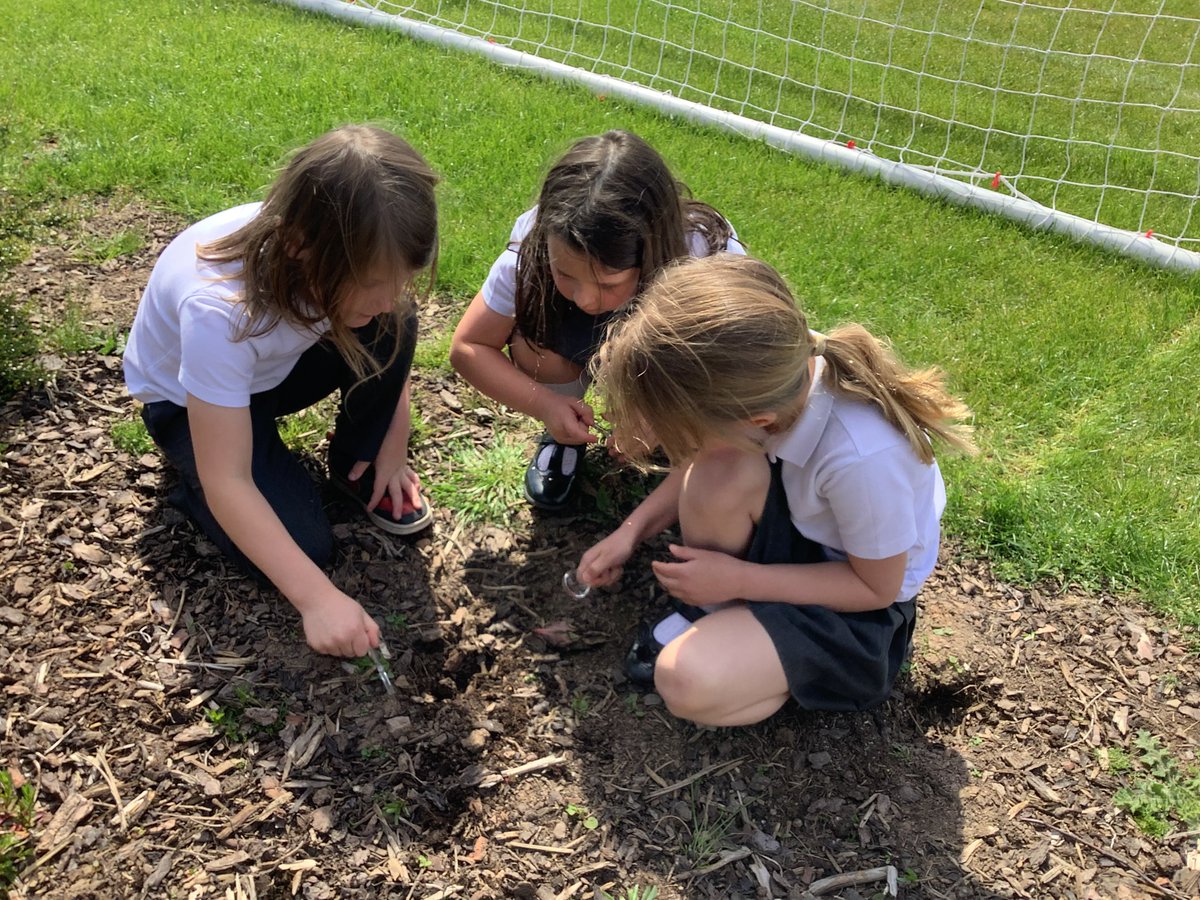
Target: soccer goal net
{"x": 1076, "y": 116}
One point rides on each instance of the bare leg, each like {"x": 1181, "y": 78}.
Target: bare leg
{"x": 724, "y": 670}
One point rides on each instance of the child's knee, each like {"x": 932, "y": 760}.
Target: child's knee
{"x": 685, "y": 682}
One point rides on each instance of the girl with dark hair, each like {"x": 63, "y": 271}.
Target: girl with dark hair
{"x": 609, "y": 216}
{"x": 261, "y": 311}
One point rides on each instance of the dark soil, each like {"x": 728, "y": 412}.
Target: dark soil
{"x": 184, "y": 742}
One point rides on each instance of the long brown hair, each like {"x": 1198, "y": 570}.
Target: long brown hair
{"x": 714, "y": 342}
{"x": 612, "y": 197}
{"x": 355, "y": 199}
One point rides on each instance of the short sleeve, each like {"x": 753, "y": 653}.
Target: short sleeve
{"x": 500, "y": 288}
{"x": 213, "y": 366}
{"x": 698, "y": 246}
{"x": 874, "y": 503}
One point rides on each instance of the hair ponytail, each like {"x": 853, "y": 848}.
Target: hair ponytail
{"x": 861, "y": 365}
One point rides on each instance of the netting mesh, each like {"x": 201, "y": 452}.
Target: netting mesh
{"x": 1086, "y": 106}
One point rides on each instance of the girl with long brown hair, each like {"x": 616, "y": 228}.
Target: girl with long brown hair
{"x": 264, "y": 309}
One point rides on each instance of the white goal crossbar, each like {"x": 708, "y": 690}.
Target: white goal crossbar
{"x": 1129, "y": 122}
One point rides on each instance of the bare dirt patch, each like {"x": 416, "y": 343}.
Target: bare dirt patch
{"x": 185, "y": 743}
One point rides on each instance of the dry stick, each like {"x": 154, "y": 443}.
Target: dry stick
{"x": 541, "y": 848}
{"x": 536, "y": 766}
{"x": 1115, "y": 857}
{"x": 850, "y": 879}
{"x": 102, "y": 764}
{"x": 726, "y": 859}
{"x": 709, "y": 770}
{"x": 1180, "y": 835}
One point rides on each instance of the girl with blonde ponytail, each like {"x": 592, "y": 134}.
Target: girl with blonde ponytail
{"x": 804, "y": 484}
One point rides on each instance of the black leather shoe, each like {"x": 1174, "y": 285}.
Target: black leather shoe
{"x": 548, "y": 486}
{"x": 639, "y": 661}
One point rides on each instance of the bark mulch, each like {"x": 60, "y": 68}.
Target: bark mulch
{"x": 184, "y": 742}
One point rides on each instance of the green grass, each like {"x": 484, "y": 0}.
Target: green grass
{"x": 895, "y": 75}
{"x": 482, "y": 484}
{"x": 16, "y": 819}
{"x": 1075, "y": 362}
{"x": 303, "y": 431}
{"x": 108, "y": 247}
{"x": 130, "y": 436}
{"x": 72, "y": 334}
{"x": 18, "y": 345}
{"x": 433, "y": 353}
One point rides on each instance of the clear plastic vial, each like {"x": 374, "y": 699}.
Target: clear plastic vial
{"x": 573, "y": 586}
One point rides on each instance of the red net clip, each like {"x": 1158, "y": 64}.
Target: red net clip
{"x": 1150, "y": 234}
{"x": 850, "y": 144}
{"x": 996, "y": 182}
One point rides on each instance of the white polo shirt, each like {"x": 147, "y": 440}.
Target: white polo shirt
{"x": 184, "y": 338}
{"x": 855, "y": 486}
{"x": 500, "y": 289}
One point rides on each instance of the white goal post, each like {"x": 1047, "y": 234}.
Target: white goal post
{"x": 1080, "y": 117}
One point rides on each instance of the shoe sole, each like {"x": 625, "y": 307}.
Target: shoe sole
{"x": 391, "y": 526}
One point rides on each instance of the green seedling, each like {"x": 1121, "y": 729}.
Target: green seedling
{"x": 130, "y": 436}
{"x": 1167, "y": 795}
{"x": 590, "y": 822}
{"x": 16, "y": 820}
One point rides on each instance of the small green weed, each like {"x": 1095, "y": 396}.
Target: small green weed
{"x": 73, "y": 335}
{"x": 433, "y": 353}
{"x": 709, "y": 829}
{"x": 633, "y": 703}
{"x": 244, "y": 716}
{"x": 580, "y": 704}
{"x": 398, "y": 621}
{"x": 18, "y": 347}
{"x": 102, "y": 249}
{"x": 394, "y": 809}
{"x": 303, "y": 431}
{"x": 1115, "y": 760}
{"x": 590, "y": 822}
{"x": 483, "y": 484}
{"x": 16, "y": 820}
{"x": 632, "y": 893}
{"x": 1168, "y": 794}
{"x": 130, "y": 436}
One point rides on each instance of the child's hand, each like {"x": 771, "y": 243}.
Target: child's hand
{"x": 701, "y": 577}
{"x": 339, "y": 626}
{"x": 603, "y": 564}
{"x": 568, "y": 420}
{"x": 404, "y": 487}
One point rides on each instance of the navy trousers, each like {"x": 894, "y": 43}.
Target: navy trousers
{"x": 364, "y": 415}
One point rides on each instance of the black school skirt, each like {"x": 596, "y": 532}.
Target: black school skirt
{"x": 833, "y": 660}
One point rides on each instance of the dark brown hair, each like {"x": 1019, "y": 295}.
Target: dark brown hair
{"x": 612, "y": 197}
{"x": 355, "y": 199}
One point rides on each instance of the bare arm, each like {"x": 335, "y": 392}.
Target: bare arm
{"x": 223, "y": 440}
{"x": 604, "y": 562}
{"x": 701, "y": 577}
{"x": 477, "y": 353}
{"x": 393, "y": 475}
